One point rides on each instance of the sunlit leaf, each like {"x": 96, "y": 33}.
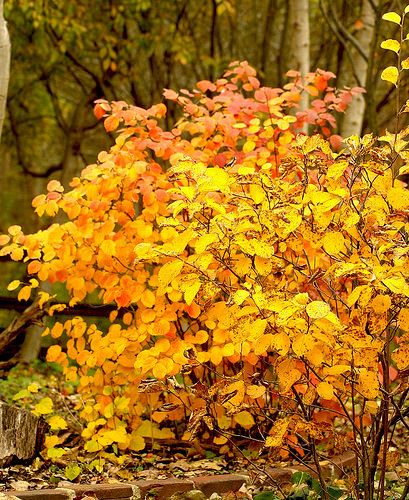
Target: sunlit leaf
{"x": 391, "y": 44}
{"x": 393, "y": 17}
{"x": 390, "y": 74}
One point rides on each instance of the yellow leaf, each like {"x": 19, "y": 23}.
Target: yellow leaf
{"x": 34, "y": 387}
{"x": 398, "y": 197}
{"x": 245, "y": 419}
{"x": 137, "y": 443}
{"x": 220, "y": 440}
{"x": 53, "y": 352}
{"x": 281, "y": 343}
{"x": 169, "y": 271}
{"x": 277, "y": 433}
{"x": 72, "y": 471}
{"x": 215, "y": 179}
{"x": 255, "y": 391}
{"x": 43, "y": 298}
{"x": 381, "y": 304}
{"x": 56, "y": 423}
{"x": 263, "y": 266}
{"x": 368, "y": 384}
{"x": 287, "y": 374}
{"x": 317, "y": 309}
{"x": 24, "y": 293}
{"x": 44, "y": 407}
{"x": 51, "y": 441}
{"x": 325, "y": 390}
{"x": 191, "y": 292}
{"x": 17, "y": 254}
{"x": 240, "y": 296}
{"x": 249, "y": 146}
{"x": 263, "y": 344}
{"x": 257, "y": 193}
{"x": 302, "y": 344}
{"x": 108, "y": 247}
{"x": 54, "y": 453}
{"x": 354, "y": 295}
{"x": 397, "y": 285}
{"x": 148, "y": 429}
{"x": 118, "y": 435}
{"x": 333, "y": 242}
{"x": 258, "y": 327}
{"x": 109, "y": 410}
{"x": 390, "y": 74}
{"x": 204, "y": 241}
{"x": 13, "y": 285}
{"x": 336, "y": 170}
{"x": 188, "y": 191}
{"x": 401, "y": 357}
{"x": 233, "y": 394}
{"x": 91, "y": 446}
{"x": 159, "y": 371}
{"x": 392, "y": 17}
{"x": 391, "y": 44}
{"x": 403, "y": 319}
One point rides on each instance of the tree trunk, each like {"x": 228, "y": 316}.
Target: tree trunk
{"x": 21, "y": 435}
{"x": 300, "y": 30}
{"x": 5, "y": 49}
{"x": 354, "y": 116}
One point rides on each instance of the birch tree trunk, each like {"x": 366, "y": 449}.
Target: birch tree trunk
{"x": 5, "y": 49}
{"x": 300, "y": 30}
{"x": 354, "y": 116}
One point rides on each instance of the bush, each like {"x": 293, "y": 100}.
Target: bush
{"x": 261, "y": 279}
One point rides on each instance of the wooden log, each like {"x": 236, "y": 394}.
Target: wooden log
{"x": 22, "y": 435}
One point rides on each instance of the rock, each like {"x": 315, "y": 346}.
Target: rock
{"x": 21, "y": 435}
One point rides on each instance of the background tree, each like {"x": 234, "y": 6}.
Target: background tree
{"x": 4, "y": 64}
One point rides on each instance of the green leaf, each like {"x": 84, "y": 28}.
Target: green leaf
{"x": 72, "y": 471}
{"x": 24, "y": 393}
{"x": 300, "y": 477}
{"x": 55, "y": 453}
{"x": 391, "y": 44}
{"x": 334, "y": 493}
{"x": 390, "y": 74}
{"x": 315, "y": 485}
{"x": 266, "y": 495}
{"x": 393, "y": 17}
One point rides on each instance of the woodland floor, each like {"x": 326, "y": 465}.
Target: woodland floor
{"x": 171, "y": 458}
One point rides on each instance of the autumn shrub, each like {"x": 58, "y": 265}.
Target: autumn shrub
{"x": 260, "y": 276}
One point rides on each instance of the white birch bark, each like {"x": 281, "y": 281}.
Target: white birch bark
{"x": 5, "y": 49}
{"x": 354, "y": 116}
{"x": 300, "y": 30}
